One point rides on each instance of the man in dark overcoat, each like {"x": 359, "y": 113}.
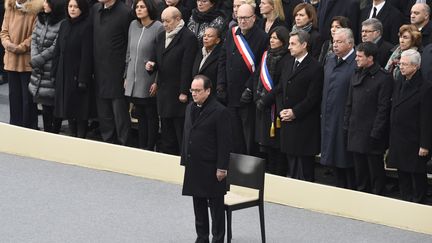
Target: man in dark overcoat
{"x": 338, "y": 69}
{"x": 205, "y": 155}
{"x": 111, "y": 19}
{"x": 299, "y": 92}
{"x": 366, "y": 120}
{"x": 175, "y": 52}
{"x": 410, "y": 128}
{"x": 236, "y": 78}
{"x": 390, "y": 17}
{"x": 420, "y": 17}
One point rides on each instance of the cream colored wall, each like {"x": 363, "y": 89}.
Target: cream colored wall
{"x": 166, "y": 168}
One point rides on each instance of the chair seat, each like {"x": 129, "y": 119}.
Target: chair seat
{"x": 234, "y": 198}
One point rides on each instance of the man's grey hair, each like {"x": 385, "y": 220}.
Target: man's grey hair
{"x": 348, "y": 34}
{"x": 375, "y": 23}
{"x": 413, "y": 55}
{"x": 426, "y": 8}
{"x": 302, "y": 35}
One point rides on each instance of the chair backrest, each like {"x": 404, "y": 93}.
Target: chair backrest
{"x": 246, "y": 171}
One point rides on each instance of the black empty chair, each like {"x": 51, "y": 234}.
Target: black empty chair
{"x": 246, "y": 172}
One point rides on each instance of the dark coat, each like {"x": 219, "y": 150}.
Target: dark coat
{"x": 410, "y": 125}
{"x": 426, "y": 32}
{"x": 300, "y": 91}
{"x": 315, "y": 43}
{"x": 233, "y": 73}
{"x": 111, "y": 28}
{"x": 384, "y": 52}
{"x": 330, "y": 8}
{"x": 263, "y": 121}
{"x": 206, "y": 147}
{"x": 426, "y": 62}
{"x": 391, "y": 19}
{"x": 72, "y": 64}
{"x": 210, "y": 66}
{"x": 335, "y": 92}
{"x": 277, "y": 22}
{"x": 174, "y": 65}
{"x": 367, "y": 112}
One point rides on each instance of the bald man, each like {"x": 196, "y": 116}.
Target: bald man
{"x": 420, "y": 16}
{"x": 175, "y": 52}
{"x": 235, "y": 75}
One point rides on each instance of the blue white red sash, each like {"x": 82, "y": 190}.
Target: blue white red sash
{"x": 244, "y": 49}
{"x": 265, "y": 77}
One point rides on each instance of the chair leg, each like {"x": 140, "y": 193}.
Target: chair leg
{"x": 229, "y": 231}
{"x": 261, "y": 214}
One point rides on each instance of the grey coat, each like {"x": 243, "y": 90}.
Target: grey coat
{"x": 41, "y": 85}
{"x": 141, "y": 48}
{"x": 335, "y": 92}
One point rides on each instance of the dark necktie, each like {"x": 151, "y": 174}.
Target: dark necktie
{"x": 374, "y": 12}
{"x": 296, "y": 63}
{"x": 339, "y": 61}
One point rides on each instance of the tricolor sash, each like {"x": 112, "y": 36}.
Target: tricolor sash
{"x": 244, "y": 49}
{"x": 265, "y": 77}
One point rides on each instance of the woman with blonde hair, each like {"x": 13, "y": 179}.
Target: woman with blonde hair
{"x": 409, "y": 38}
{"x": 273, "y": 14}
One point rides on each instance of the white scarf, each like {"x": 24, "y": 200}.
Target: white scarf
{"x": 170, "y": 36}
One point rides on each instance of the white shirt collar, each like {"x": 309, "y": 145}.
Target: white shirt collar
{"x": 378, "y": 7}
{"x": 347, "y": 55}
{"x": 301, "y": 58}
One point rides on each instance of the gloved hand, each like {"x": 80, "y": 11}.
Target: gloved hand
{"x": 246, "y": 96}
{"x": 260, "y": 105}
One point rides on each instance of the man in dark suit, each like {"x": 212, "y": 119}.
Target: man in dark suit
{"x": 205, "y": 155}
{"x": 366, "y": 120}
{"x": 111, "y": 21}
{"x": 240, "y": 55}
{"x": 410, "y": 128}
{"x": 299, "y": 92}
{"x": 371, "y": 30}
{"x": 420, "y": 17}
{"x": 175, "y": 52}
{"x": 390, "y": 17}
{"x": 329, "y": 8}
{"x": 206, "y": 60}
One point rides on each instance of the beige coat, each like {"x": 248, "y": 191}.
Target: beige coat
{"x": 17, "y": 29}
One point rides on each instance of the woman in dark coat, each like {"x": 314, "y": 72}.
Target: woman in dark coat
{"x": 73, "y": 68}
{"x": 305, "y": 18}
{"x": 41, "y": 84}
{"x": 410, "y": 128}
{"x": 267, "y": 120}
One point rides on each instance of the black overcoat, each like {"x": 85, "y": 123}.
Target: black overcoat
{"x": 210, "y": 66}
{"x": 384, "y": 52}
{"x": 174, "y": 65}
{"x": 410, "y": 125}
{"x": 233, "y": 73}
{"x": 391, "y": 19}
{"x": 301, "y": 91}
{"x": 367, "y": 113}
{"x": 205, "y": 148}
{"x": 111, "y": 29}
{"x": 72, "y": 64}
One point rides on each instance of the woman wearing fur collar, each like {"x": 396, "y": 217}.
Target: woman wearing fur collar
{"x": 18, "y": 24}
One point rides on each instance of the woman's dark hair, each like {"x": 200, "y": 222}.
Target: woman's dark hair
{"x": 282, "y": 34}
{"x": 83, "y": 5}
{"x": 151, "y": 8}
{"x": 343, "y": 21}
{"x": 310, "y": 12}
{"x": 57, "y": 11}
